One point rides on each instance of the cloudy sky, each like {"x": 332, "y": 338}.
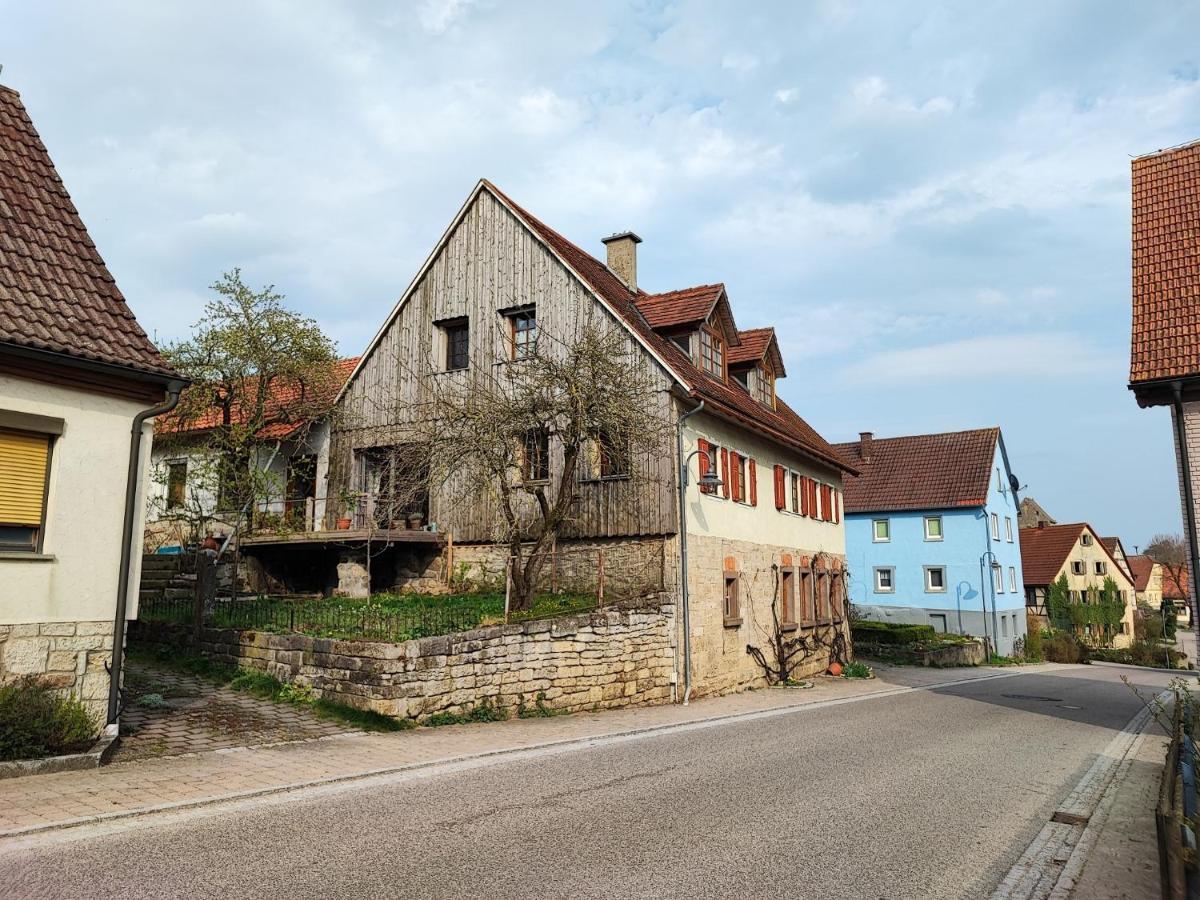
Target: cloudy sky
{"x": 930, "y": 202}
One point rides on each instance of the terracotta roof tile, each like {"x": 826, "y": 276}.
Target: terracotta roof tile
{"x": 56, "y": 294}
{"x": 1044, "y": 551}
{"x": 683, "y": 307}
{"x": 1166, "y": 265}
{"x": 732, "y": 402}
{"x": 1141, "y": 567}
{"x": 1177, "y": 590}
{"x": 923, "y": 471}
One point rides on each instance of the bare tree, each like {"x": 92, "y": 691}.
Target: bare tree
{"x": 525, "y": 431}
{"x": 1172, "y": 553}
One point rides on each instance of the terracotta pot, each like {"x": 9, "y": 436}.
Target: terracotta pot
{"x": 835, "y": 669}
{"x": 415, "y": 522}
{"x": 343, "y": 524}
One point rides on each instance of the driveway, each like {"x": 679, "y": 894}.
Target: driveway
{"x": 933, "y": 793}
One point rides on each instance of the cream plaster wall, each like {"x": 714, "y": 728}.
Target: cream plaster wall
{"x": 1090, "y": 555}
{"x": 77, "y": 582}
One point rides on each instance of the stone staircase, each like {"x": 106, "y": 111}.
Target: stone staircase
{"x": 164, "y": 578}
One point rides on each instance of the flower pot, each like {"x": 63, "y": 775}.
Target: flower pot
{"x": 415, "y": 522}
{"x": 343, "y": 524}
{"x": 835, "y": 669}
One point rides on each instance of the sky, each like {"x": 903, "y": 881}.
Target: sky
{"x": 930, "y": 202}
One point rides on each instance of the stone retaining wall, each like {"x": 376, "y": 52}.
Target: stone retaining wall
{"x": 608, "y": 658}
{"x": 70, "y": 656}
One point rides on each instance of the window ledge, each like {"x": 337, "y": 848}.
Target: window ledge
{"x": 26, "y": 556}
{"x": 733, "y": 623}
{"x": 604, "y": 478}
{"x": 788, "y": 626}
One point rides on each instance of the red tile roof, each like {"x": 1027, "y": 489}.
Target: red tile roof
{"x": 1141, "y": 567}
{"x": 1166, "y": 265}
{"x": 56, "y": 294}
{"x": 1177, "y": 590}
{"x": 1044, "y": 552}
{"x": 683, "y": 307}
{"x": 758, "y": 344}
{"x": 782, "y": 425}
{"x": 290, "y": 406}
{"x": 923, "y": 471}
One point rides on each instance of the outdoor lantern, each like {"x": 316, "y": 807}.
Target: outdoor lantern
{"x": 710, "y": 480}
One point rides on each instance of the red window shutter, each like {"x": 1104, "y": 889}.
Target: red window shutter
{"x": 753, "y": 476}
{"x": 780, "y": 488}
{"x": 812, "y": 499}
{"x": 826, "y": 511}
{"x": 837, "y": 507}
{"x": 705, "y": 458}
{"x": 725, "y": 469}
{"x": 736, "y": 488}
{"x": 804, "y": 495}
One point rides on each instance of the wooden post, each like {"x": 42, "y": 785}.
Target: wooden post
{"x": 554, "y": 564}
{"x": 449, "y": 558}
{"x": 600, "y": 577}
{"x": 507, "y": 585}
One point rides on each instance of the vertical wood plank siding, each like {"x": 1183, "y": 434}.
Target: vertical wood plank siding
{"x": 491, "y": 262}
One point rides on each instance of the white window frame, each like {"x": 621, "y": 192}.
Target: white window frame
{"x": 1100, "y": 567}
{"x": 998, "y": 578}
{"x": 1008, "y": 532}
{"x": 875, "y": 538}
{"x": 743, "y": 470}
{"x": 1085, "y": 539}
{"x": 1012, "y": 579}
{"x": 879, "y": 589}
{"x": 995, "y": 527}
{"x": 941, "y": 527}
{"x": 1076, "y": 565}
{"x": 929, "y": 588}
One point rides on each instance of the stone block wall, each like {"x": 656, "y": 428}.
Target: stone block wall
{"x": 608, "y": 658}
{"x": 69, "y": 655}
{"x": 720, "y": 661}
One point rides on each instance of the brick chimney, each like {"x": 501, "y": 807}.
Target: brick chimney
{"x": 622, "y": 257}
{"x": 865, "y": 439}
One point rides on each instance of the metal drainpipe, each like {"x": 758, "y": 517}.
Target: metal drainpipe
{"x": 683, "y": 559}
{"x": 1189, "y": 501}
{"x": 174, "y": 388}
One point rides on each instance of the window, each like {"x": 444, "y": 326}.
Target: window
{"x": 535, "y": 456}
{"x": 457, "y": 334}
{"x": 738, "y": 476}
{"x": 712, "y": 353}
{"x": 787, "y": 596}
{"x": 795, "y": 493}
{"x": 885, "y": 580}
{"x": 938, "y": 621}
{"x": 1078, "y": 567}
{"x": 24, "y": 471}
{"x": 1101, "y": 567}
{"x": 683, "y": 342}
{"x": 1008, "y": 528}
{"x": 823, "y": 612}
{"x": 1012, "y": 579}
{"x": 935, "y": 579}
{"x": 995, "y": 527}
{"x": 742, "y": 378}
{"x": 998, "y": 578}
{"x": 732, "y": 610}
{"x": 933, "y": 528}
{"x": 612, "y": 457}
{"x": 176, "y": 484}
{"x": 1004, "y": 626}
{"x": 1085, "y": 539}
{"x": 764, "y": 386}
{"x": 807, "y": 611}
{"x": 881, "y": 531}
{"x": 523, "y": 332}
{"x": 837, "y": 595}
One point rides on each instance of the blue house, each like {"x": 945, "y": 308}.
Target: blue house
{"x": 932, "y": 535}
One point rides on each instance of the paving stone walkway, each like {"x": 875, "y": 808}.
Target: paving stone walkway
{"x": 155, "y": 783}
{"x": 168, "y": 713}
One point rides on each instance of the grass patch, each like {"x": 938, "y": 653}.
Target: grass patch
{"x": 486, "y": 711}
{"x": 257, "y": 684}
{"x": 997, "y": 660}
{"x": 366, "y": 719}
{"x": 857, "y": 670}
{"x": 35, "y": 721}
{"x": 539, "y": 709}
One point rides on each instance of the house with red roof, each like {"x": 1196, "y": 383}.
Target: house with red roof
{"x": 1164, "y": 362}
{"x": 1077, "y": 552}
{"x": 184, "y": 495}
{"x": 80, "y": 385}
{"x": 932, "y": 536}
{"x": 770, "y": 532}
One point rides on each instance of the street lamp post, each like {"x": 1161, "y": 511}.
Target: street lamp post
{"x": 708, "y": 479}
{"x": 960, "y": 596}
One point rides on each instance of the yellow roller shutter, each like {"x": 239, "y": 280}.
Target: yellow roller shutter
{"x": 22, "y": 477}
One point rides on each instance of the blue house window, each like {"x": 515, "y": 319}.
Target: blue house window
{"x": 933, "y": 528}
{"x": 882, "y": 531}
{"x": 935, "y": 579}
{"x": 885, "y": 580}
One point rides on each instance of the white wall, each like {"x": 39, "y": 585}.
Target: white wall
{"x": 85, "y": 507}
{"x": 713, "y": 515}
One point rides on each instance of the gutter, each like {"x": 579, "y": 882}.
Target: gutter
{"x": 1189, "y": 501}
{"x": 683, "y": 558}
{"x": 174, "y": 389}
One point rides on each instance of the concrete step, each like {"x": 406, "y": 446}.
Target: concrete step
{"x": 157, "y": 562}
{"x": 156, "y": 579}
{"x": 178, "y": 593}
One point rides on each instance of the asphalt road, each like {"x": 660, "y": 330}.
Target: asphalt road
{"x": 925, "y": 794}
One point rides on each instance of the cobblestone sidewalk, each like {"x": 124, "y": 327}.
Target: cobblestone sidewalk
{"x": 154, "y": 784}
{"x": 168, "y": 713}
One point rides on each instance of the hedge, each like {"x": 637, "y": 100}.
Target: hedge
{"x": 869, "y": 632}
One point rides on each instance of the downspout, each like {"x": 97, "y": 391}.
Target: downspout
{"x": 133, "y": 477}
{"x": 1189, "y": 501}
{"x": 683, "y": 558}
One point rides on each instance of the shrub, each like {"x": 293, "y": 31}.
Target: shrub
{"x": 857, "y": 670}
{"x": 1141, "y": 653}
{"x": 1064, "y": 647}
{"x": 37, "y": 722}
{"x": 257, "y": 684}
{"x": 1034, "y": 652}
{"x": 870, "y": 632}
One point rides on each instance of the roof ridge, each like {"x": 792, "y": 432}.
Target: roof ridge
{"x": 905, "y": 437}
{"x": 1165, "y": 150}
{"x": 684, "y": 290}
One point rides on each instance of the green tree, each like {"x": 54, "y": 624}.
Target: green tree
{"x": 1058, "y": 603}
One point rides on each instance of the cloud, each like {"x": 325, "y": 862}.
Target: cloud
{"x": 1010, "y": 357}
{"x": 874, "y": 94}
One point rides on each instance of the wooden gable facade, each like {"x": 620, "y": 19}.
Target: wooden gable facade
{"x": 487, "y": 265}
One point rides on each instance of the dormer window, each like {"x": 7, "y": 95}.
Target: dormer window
{"x": 683, "y": 342}
{"x": 712, "y": 353}
{"x": 764, "y": 386}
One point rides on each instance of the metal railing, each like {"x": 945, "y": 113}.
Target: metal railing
{"x": 1175, "y": 815}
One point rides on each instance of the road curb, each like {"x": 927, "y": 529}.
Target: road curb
{"x": 561, "y": 745}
